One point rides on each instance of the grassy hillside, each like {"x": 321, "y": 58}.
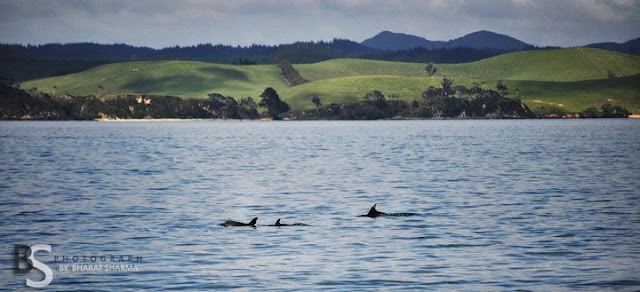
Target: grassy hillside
{"x": 571, "y": 79}
{"x": 353, "y": 89}
{"x": 579, "y": 95}
{"x": 180, "y": 78}
{"x": 356, "y": 67}
{"x": 568, "y": 96}
{"x": 560, "y": 65}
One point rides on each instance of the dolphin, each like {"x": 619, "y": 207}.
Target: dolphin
{"x": 373, "y": 213}
{"x": 278, "y": 224}
{"x": 236, "y": 223}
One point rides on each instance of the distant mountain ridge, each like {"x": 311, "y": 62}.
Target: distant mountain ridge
{"x": 629, "y": 47}
{"x": 391, "y": 41}
{"x": 482, "y": 40}
{"x": 489, "y": 40}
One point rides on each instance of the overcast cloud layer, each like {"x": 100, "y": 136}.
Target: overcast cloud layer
{"x": 162, "y": 23}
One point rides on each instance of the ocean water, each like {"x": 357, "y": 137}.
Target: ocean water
{"x": 540, "y": 205}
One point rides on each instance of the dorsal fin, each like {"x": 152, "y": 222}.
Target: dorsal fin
{"x": 253, "y": 221}
{"x": 278, "y": 222}
{"x": 373, "y": 210}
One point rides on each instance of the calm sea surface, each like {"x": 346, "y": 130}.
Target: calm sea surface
{"x": 542, "y": 205}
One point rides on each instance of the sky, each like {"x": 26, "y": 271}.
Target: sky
{"x": 163, "y": 23}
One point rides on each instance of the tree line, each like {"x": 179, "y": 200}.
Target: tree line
{"x": 445, "y": 101}
{"x": 449, "y": 101}
{"x": 298, "y": 52}
{"x": 17, "y": 103}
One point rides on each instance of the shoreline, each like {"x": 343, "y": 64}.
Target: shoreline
{"x": 391, "y": 119}
{"x": 298, "y": 119}
{"x": 152, "y": 120}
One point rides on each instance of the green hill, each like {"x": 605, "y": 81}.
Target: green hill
{"x": 567, "y": 96}
{"x": 579, "y": 95}
{"x": 571, "y": 79}
{"x": 357, "y": 67}
{"x": 179, "y": 78}
{"x": 547, "y": 77}
{"x": 559, "y": 65}
{"x": 353, "y": 89}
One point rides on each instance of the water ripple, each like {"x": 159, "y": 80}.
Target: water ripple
{"x": 496, "y": 205}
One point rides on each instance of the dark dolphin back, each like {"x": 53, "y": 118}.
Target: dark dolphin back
{"x": 400, "y": 214}
{"x": 373, "y": 212}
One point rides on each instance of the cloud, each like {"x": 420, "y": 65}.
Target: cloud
{"x": 160, "y": 23}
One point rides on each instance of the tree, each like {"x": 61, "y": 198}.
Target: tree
{"x": 248, "y": 108}
{"x": 291, "y": 75}
{"x": 386, "y": 107}
{"x": 271, "y": 101}
{"x": 316, "y": 102}
{"x": 377, "y": 99}
{"x": 248, "y": 102}
{"x": 431, "y": 69}
{"x": 224, "y": 107}
{"x": 614, "y": 111}
{"x": 361, "y": 111}
{"x": 334, "y": 108}
{"x": 591, "y": 112}
{"x": 447, "y": 86}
